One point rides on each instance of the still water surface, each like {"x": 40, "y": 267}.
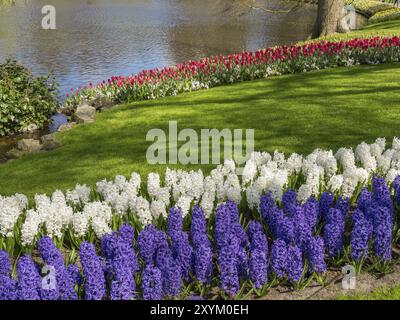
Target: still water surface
{"x": 96, "y": 39}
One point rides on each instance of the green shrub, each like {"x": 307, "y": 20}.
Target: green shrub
{"x": 24, "y": 99}
{"x": 376, "y": 11}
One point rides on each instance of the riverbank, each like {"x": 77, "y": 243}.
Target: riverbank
{"x": 294, "y": 107}
{"x": 114, "y": 144}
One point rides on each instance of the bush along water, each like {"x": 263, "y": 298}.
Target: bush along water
{"x": 219, "y": 70}
{"x": 287, "y": 221}
{"x": 24, "y": 99}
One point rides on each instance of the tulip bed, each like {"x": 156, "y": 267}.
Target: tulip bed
{"x": 219, "y": 70}
{"x": 286, "y": 221}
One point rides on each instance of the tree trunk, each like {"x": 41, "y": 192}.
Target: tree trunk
{"x": 329, "y": 16}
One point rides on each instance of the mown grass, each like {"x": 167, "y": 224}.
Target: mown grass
{"x": 383, "y": 29}
{"x": 382, "y": 293}
{"x": 295, "y": 113}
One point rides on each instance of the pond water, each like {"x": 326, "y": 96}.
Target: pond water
{"x": 97, "y": 39}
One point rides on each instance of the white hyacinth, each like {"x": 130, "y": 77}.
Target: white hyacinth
{"x": 184, "y": 203}
{"x": 153, "y": 184}
{"x": 10, "y": 210}
{"x": 232, "y": 188}
{"x": 322, "y": 170}
{"x": 142, "y": 210}
{"x": 158, "y": 209}
{"x": 30, "y": 227}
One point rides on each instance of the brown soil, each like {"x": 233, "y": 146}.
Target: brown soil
{"x": 333, "y": 288}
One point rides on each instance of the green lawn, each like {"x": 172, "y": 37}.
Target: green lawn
{"x": 384, "y": 29}
{"x": 296, "y": 113}
{"x": 383, "y": 293}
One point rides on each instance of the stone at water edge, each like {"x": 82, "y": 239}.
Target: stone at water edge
{"x": 49, "y": 142}
{"x": 14, "y": 153}
{"x": 66, "y": 127}
{"x": 85, "y": 114}
{"x": 101, "y": 103}
{"x": 29, "y": 145}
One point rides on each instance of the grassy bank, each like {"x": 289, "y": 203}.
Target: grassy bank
{"x": 382, "y": 29}
{"x": 297, "y": 113}
{"x": 383, "y": 293}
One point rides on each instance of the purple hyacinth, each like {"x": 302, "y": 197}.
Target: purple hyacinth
{"x": 222, "y": 228}
{"x": 202, "y": 260}
{"x": 199, "y": 224}
{"x": 325, "y": 203}
{"x": 122, "y": 274}
{"x": 5, "y": 264}
{"x": 360, "y": 235}
{"x": 171, "y": 278}
{"x": 267, "y": 206}
{"x": 170, "y": 270}
{"x": 294, "y": 263}
{"x": 311, "y": 212}
{"x": 302, "y": 230}
{"x": 64, "y": 288}
{"x": 383, "y": 226}
{"x": 7, "y": 284}
{"x": 147, "y": 243}
{"x": 285, "y": 229}
{"x": 242, "y": 262}
{"x": 253, "y": 228}
{"x": 175, "y": 221}
{"x": 122, "y": 286}
{"x": 152, "y": 283}
{"x": 163, "y": 256}
{"x": 279, "y": 256}
{"x": 343, "y": 204}
{"x": 7, "y": 288}
{"x": 289, "y": 201}
{"x": 276, "y": 216}
{"x": 121, "y": 262}
{"x": 29, "y": 280}
{"x": 315, "y": 254}
{"x": 240, "y": 234}
{"x": 396, "y": 183}
{"x": 234, "y": 211}
{"x": 109, "y": 243}
{"x": 364, "y": 200}
{"x": 182, "y": 252}
{"x": 381, "y": 193}
{"x": 333, "y": 232}
{"x": 228, "y": 265}
{"x": 75, "y": 274}
{"x": 258, "y": 255}
{"x": 396, "y": 188}
{"x": 95, "y": 283}
{"x": 258, "y": 240}
{"x": 258, "y": 267}
{"x": 127, "y": 235}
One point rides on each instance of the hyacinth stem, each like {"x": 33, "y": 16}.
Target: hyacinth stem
{"x": 381, "y": 266}
{"x": 188, "y": 288}
{"x": 320, "y": 278}
{"x": 359, "y": 265}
